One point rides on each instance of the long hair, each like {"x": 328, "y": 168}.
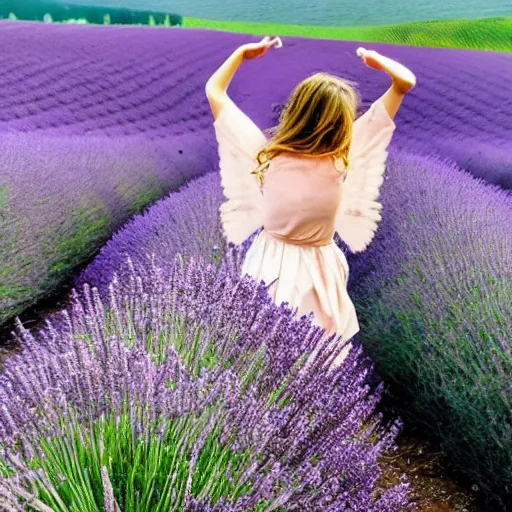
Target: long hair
{"x": 316, "y": 121}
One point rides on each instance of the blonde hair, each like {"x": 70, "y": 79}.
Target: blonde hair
{"x": 316, "y": 121}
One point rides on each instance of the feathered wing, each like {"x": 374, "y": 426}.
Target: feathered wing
{"x": 359, "y": 212}
{"x": 239, "y": 141}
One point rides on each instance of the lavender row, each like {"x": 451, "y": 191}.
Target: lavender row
{"x": 62, "y": 197}
{"x": 186, "y": 222}
{"x": 434, "y": 296}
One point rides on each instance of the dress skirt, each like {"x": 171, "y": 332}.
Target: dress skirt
{"x": 311, "y": 279}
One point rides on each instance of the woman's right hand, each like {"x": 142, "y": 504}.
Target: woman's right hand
{"x": 254, "y": 50}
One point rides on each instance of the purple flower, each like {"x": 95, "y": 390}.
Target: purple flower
{"x": 307, "y": 436}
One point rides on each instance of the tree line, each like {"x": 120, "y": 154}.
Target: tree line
{"x": 37, "y": 10}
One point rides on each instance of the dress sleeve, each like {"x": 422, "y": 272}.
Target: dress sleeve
{"x": 358, "y": 215}
{"x": 239, "y": 141}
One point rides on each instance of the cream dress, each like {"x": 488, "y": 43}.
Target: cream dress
{"x": 301, "y": 204}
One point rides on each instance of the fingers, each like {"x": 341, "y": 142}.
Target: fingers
{"x": 364, "y": 53}
{"x": 274, "y": 42}
{"x": 277, "y": 42}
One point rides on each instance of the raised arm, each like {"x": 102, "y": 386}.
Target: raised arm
{"x": 217, "y": 85}
{"x": 403, "y": 80}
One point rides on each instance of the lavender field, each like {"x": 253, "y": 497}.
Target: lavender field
{"x": 112, "y": 83}
{"x": 97, "y": 124}
{"x": 146, "y": 81}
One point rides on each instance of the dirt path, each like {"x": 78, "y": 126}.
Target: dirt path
{"x": 433, "y": 488}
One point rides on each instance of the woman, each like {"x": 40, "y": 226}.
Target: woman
{"x": 319, "y": 173}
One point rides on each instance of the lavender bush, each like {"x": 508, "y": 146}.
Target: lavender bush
{"x": 186, "y": 222}
{"x": 152, "y": 82}
{"x": 491, "y": 161}
{"x": 61, "y": 198}
{"x": 434, "y": 295}
{"x": 187, "y": 390}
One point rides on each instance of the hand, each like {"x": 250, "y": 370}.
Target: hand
{"x": 371, "y": 58}
{"x": 255, "y": 50}
{"x": 403, "y": 78}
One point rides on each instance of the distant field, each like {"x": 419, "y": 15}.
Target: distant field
{"x": 482, "y": 34}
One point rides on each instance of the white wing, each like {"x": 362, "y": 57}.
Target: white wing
{"x": 239, "y": 141}
{"x": 359, "y": 212}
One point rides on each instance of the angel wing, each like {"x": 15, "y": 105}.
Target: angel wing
{"x": 239, "y": 141}
{"x": 359, "y": 212}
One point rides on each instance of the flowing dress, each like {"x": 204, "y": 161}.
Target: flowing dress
{"x": 302, "y": 203}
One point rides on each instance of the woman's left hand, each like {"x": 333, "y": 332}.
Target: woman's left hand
{"x": 255, "y": 50}
{"x": 371, "y": 58}
{"x": 403, "y": 78}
